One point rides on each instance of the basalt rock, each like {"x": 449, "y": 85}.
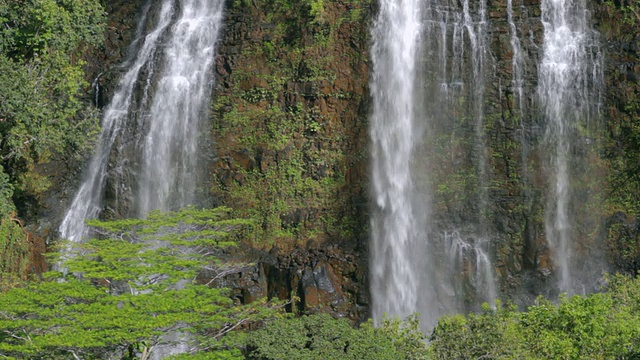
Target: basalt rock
{"x": 312, "y": 280}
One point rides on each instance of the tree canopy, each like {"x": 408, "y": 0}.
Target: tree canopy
{"x": 599, "y": 326}
{"x": 42, "y": 113}
{"x": 122, "y": 292}
{"x": 41, "y": 84}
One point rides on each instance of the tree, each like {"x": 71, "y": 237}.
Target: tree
{"x": 599, "y": 326}
{"x": 42, "y": 115}
{"x": 41, "y": 83}
{"x": 322, "y": 337}
{"x": 131, "y": 286}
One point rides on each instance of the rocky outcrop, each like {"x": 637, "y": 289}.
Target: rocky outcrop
{"x": 327, "y": 280}
{"x": 289, "y": 118}
{"x": 290, "y": 128}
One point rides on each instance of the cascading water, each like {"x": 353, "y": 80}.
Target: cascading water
{"x": 568, "y": 75}
{"x": 469, "y": 261}
{"x": 477, "y": 33}
{"x": 424, "y": 84}
{"x": 445, "y": 134}
{"x": 180, "y": 102}
{"x": 397, "y": 242}
{"x": 164, "y": 95}
{"x": 88, "y": 200}
{"x": 172, "y": 66}
{"x": 516, "y": 60}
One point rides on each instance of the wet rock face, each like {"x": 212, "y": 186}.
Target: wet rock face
{"x": 322, "y": 290}
{"x": 289, "y": 116}
{"x": 316, "y": 280}
{"x": 289, "y": 119}
{"x": 621, "y": 41}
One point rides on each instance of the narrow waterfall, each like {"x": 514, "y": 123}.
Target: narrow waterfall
{"x": 567, "y": 87}
{"x": 516, "y": 60}
{"x": 397, "y": 240}
{"x": 159, "y": 105}
{"x": 477, "y": 33}
{"x": 471, "y": 265}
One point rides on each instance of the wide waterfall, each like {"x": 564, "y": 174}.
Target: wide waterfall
{"x": 422, "y": 53}
{"x": 458, "y": 91}
{"x": 569, "y": 79}
{"x": 152, "y": 125}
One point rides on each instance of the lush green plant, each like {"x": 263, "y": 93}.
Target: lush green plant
{"x": 599, "y": 326}
{"x": 123, "y": 291}
{"x": 322, "y": 337}
{"x": 41, "y": 112}
{"x": 41, "y": 80}
{"x": 14, "y": 247}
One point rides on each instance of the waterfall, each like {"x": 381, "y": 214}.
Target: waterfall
{"x": 470, "y": 262}
{"x": 429, "y": 69}
{"x": 477, "y": 33}
{"x": 163, "y": 96}
{"x": 568, "y": 75}
{"x": 516, "y": 60}
{"x": 397, "y": 241}
{"x": 180, "y": 102}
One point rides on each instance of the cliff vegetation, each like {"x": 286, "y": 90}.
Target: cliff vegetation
{"x": 289, "y": 119}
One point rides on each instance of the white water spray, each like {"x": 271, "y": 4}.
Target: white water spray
{"x": 565, "y": 86}
{"x": 516, "y": 60}
{"x": 417, "y": 88}
{"x": 173, "y": 64}
{"x": 396, "y": 240}
{"x": 469, "y": 260}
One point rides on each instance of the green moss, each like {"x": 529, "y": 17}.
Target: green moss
{"x": 284, "y": 156}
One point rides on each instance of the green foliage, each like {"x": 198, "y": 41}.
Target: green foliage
{"x": 14, "y": 247}
{"x": 171, "y": 244}
{"x": 628, "y": 9}
{"x": 406, "y": 336}
{"x": 41, "y": 79}
{"x": 36, "y": 27}
{"x": 136, "y": 284}
{"x": 600, "y": 326}
{"x": 620, "y": 21}
{"x": 322, "y": 337}
{"x": 6, "y": 192}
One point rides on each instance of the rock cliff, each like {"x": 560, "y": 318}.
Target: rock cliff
{"x": 289, "y": 118}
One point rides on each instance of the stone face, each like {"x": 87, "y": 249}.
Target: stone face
{"x": 322, "y": 290}
{"x": 314, "y": 280}
{"x": 290, "y": 116}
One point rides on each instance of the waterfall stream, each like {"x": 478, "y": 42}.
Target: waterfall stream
{"x": 396, "y": 239}
{"x": 443, "y": 91}
{"x": 516, "y": 60}
{"x": 163, "y": 97}
{"x": 567, "y": 89}
{"x": 427, "y": 55}
{"x": 152, "y": 125}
